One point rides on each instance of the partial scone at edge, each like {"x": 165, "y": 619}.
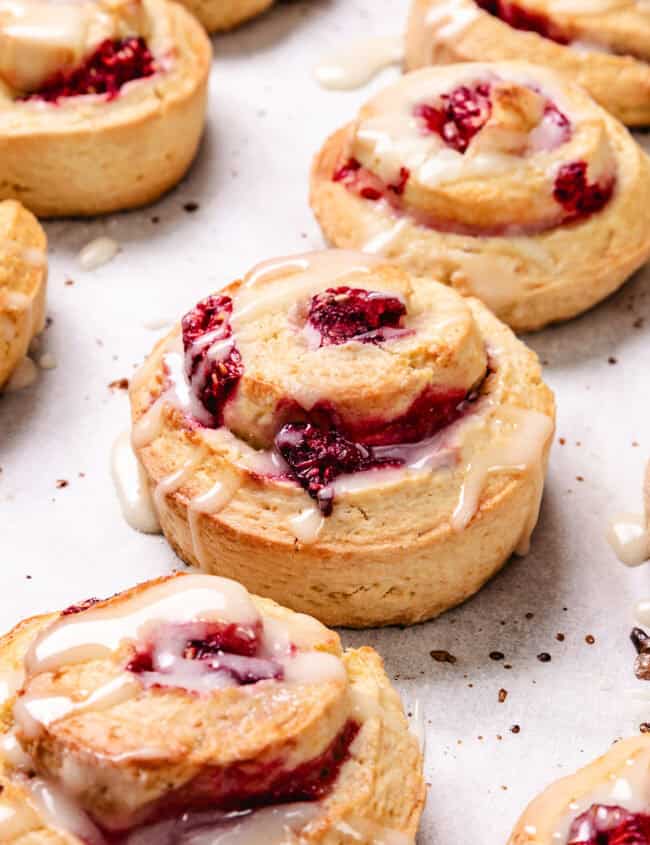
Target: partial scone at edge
{"x": 23, "y": 275}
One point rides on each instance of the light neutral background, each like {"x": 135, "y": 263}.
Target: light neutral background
{"x": 267, "y": 117}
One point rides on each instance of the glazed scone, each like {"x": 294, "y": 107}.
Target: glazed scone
{"x": 102, "y": 102}
{"x": 186, "y": 707}
{"x": 514, "y": 184}
{"x": 217, "y": 15}
{"x": 23, "y": 276}
{"x": 602, "y": 45}
{"x": 606, "y": 803}
{"x": 348, "y": 439}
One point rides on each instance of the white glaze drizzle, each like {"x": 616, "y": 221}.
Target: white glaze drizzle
{"x": 627, "y": 788}
{"x": 98, "y": 252}
{"x": 516, "y": 443}
{"x": 356, "y": 64}
{"x": 627, "y": 534}
{"x": 307, "y": 525}
{"x": 450, "y": 18}
{"x": 132, "y": 487}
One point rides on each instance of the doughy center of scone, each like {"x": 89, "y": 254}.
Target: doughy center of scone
{"x": 226, "y": 708}
{"x": 477, "y": 150}
{"x": 50, "y": 51}
{"x": 328, "y": 359}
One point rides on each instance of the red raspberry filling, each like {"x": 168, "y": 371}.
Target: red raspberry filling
{"x": 610, "y": 825}
{"x": 105, "y": 71}
{"x": 342, "y": 314}
{"x": 353, "y": 175}
{"x": 174, "y": 654}
{"x": 195, "y": 811}
{"x": 214, "y": 380}
{"x": 579, "y": 197}
{"x": 318, "y": 456}
{"x": 79, "y": 607}
{"x": 458, "y": 116}
{"x": 519, "y": 18}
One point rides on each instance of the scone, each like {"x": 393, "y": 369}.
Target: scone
{"x": 513, "y": 183}
{"x": 102, "y": 102}
{"x": 187, "y": 711}
{"x": 23, "y": 275}
{"x": 606, "y": 803}
{"x": 217, "y": 15}
{"x": 348, "y": 439}
{"x": 602, "y": 45}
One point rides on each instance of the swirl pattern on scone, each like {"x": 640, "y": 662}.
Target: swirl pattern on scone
{"x": 605, "y": 803}
{"x": 186, "y": 707}
{"x": 218, "y": 15}
{"x": 23, "y": 276}
{"x": 102, "y": 102}
{"x": 602, "y": 45}
{"x": 345, "y": 438}
{"x": 511, "y": 181}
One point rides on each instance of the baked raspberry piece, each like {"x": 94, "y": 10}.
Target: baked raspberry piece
{"x": 342, "y": 314}
{"x": 79, "y": 607}
{"x": 579, "y": 197}
{"x": 610, "y": 825}
{"x": 519, "y": 18}
{"x": 318, "y": 456}
{"x": 213, "y": 377}
{"x": 176, "y": 654}
{"x": 458, "y": 116}
{"x": 105, "y": 71}
{"x": 366, "y": 184}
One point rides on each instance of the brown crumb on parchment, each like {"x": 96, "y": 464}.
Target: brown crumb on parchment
{"x": 442, "y": 656}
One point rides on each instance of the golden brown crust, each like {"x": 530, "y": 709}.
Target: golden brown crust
{"x": 23, "y": 274}
{"x": 388, "y": 554}
{"x": 365, "y": 797}
{"x": 529, "y": 281}
{"x": 124, "y": 153}
{"x": 620, "y": 83}
{"x": 219, "y": 15}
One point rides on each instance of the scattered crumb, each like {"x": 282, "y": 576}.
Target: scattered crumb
{"x": 590, "y": 639}
{"x": 497, "y": 655}
{"x": 638, "y": 323}
{"x": 544, "y": 657}
{"x": 507, "y": 665}
{"x": 503, "y": 694}
{"x": 119, "y": 384}
{"x": 634, "y": 444}
{"x": 562, "y": 441}
{"x": 191, "y": 207}
{"x": 515, "y": 729}
{"x": 441, "y": 656}
{"x": 612, "y": 360}
{"x": 644, "y": 727}
{"x": 579, "y": 478}
{"x": 504, "y": 788}
{"x": 61, "y": 482}
{"x": 499, "y": 737}
{"x": 155, "y": 219}
{"x": 47, "y": 361}
{"x": 28, "y": 577}
{"x": 530, "y": 615}
{"x": 69, "y": 282}
{"x": 560, "y": 637}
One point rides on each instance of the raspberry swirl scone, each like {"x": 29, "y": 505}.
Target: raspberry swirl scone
{"x": 188, "y": 711}
{"x": 102, "y": 102}
{"x": 218, "y": 15}
{"x": 606, "y": 803}
{"x": 23, "y": 276}
{"x": 345, "y": 438}
{"x": 511, "y": 182}
{"x": 603, "y": 45}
